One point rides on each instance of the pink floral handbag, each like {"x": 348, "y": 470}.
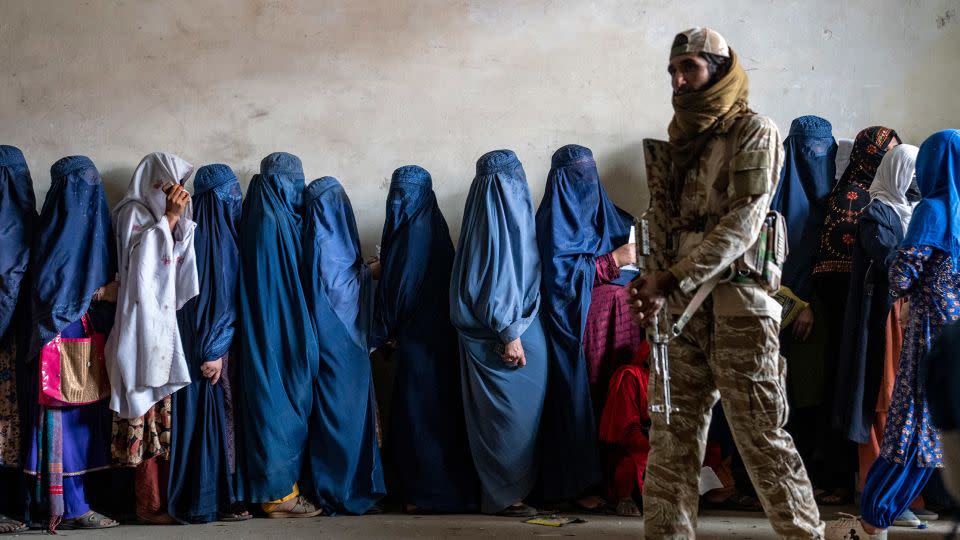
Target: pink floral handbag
{"x": 73, "y": 370}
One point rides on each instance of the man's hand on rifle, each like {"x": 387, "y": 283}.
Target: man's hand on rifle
{"x": 648, "y": 295}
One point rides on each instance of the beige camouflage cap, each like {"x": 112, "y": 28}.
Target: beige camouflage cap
{"x": 699, "y": 40}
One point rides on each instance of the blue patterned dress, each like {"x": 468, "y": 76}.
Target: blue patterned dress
{"x": 933, "y": 285}
{"x": 910, "y": 450}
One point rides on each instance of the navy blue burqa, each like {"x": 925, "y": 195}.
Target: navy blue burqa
{"x": 494, "y": 300}
{"x": 201, "y": 480}
{"x": 807, "y": 177}
{"x": 278, "y": 359}
{"x": 576, "y": 223}
{"x": 74, "y": 252}
{"x": 345, "y": 468}
{"x": 427, "y": 438}
{"x": 17, "y": 217}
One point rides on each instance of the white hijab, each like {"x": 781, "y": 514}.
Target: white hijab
{"x": 158, "y": 275}
{"x": 844, "y": 148}
{"x": 894, "y": 176}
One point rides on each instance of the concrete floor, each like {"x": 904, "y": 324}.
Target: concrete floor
{"x": 713, "y": 525}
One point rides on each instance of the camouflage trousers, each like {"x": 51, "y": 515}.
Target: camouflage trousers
{"x": 736, "y": 359}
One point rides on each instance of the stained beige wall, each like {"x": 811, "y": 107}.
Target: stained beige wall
{"x": 357, "y": 88}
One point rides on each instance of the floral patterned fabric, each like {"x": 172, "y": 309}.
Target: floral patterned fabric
{"x": 929, "y": 278}
{"x": 848, "y": 199}
{"x": 137, "y": 440}
{"x": 9, "y": 415}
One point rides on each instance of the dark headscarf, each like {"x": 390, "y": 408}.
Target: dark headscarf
{"x": 74, "y": 250}
{"x": 849, "y": 198}
{"x": 17, "y": 216}
{"x": 806, "y": 179}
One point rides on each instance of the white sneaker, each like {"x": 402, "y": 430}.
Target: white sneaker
{"x": 848, "y": 527}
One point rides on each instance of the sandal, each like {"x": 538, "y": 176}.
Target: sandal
{"x": 89, "y": 521}
{"x": 302, "y": 509}
{"x": 627, "y": 507}
{"x": 11, "y": 526}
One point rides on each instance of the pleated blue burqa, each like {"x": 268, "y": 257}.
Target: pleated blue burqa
{"x": 427, "y": 437}
{"x": 278, "y": 361}
{"x": 576, "y": 223}
{"x": 494, "y": 300}
{"x": 345, "y": 468}
{"x": 201, "y": 479}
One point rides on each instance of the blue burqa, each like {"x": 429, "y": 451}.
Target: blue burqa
{"x": 73, "y": 255}
{"x": 576, "y": 223}
{"x": 936, "y": 219}
{"x": 345, "y": 468}
{"x": 428, "y": 437}
{"x": 74, "y": 252}
{"x": 807, "y": 177}
{"x": 495, "y": 299}
{"x": 201, "y": 480}
{"x": 278, "y": 361}
{"x": 17, "y": 216}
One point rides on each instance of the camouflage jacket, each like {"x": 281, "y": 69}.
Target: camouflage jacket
{"x": 704, "y": 220}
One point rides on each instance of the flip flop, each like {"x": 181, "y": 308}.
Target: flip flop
{"x": 89, "y": 521}
{"x": 18, "y": 527}
{"x": 303, "y": 509}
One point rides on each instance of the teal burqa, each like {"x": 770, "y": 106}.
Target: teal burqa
{"x": 345, "y": 470}
{"x": 278, "y": 342}
{"x": 495, "y": 299}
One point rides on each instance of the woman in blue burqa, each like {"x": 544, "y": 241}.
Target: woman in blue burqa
{"x": 202, "y": 447}
{"x": 74, "y": 264}
{"x": 808, "y": 175}
{"x": 279, "y": 358}
{"x": 576, "y": 223}
{"x": 495, "y": 307}
{"x": 344, "y": 451}
{"x": 427, "y": 438}
{"x": 18, "y": 214}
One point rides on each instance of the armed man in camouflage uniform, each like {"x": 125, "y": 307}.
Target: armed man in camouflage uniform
{"x": 710, "y": 191}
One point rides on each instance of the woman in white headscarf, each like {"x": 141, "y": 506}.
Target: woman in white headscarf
{"x": 144, "y": 354}
{"x": 870, "y": 350}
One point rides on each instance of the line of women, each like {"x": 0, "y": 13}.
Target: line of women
{"x": 218, "y": 345}
{"x": 870, "y": 282}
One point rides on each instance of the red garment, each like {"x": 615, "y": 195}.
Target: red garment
{"x": 150, "y": 488}
{"x": 610, "y": 337}
{"x": 624, "y": 426}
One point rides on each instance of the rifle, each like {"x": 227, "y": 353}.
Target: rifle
{"x": 658, "y": 338}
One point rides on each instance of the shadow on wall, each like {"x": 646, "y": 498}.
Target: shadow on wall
{"x": 624, "y": 177}
{"x": 115, "y": 182}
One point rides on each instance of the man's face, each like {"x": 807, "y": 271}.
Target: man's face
{"x": 688, "y": 73}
